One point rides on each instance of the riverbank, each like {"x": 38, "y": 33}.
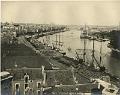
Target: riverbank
{"x": 52, "y": 54}
{"x": 80, "y": 69}
{"x": 32, "y": 53}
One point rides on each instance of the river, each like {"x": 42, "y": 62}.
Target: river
{"x": 71, "y": 39}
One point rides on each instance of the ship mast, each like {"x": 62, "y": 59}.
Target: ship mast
{"x": 59, "y": 41}
{"x": 84, "y": 52}
{"x": 94, "y": 59}
{"x": 102, "y": 68}
{"x": 93, "y": 54}
{"x": 101, "y": 53}
{"x": 93, "y": 51}
{"x": 56, "y": 40}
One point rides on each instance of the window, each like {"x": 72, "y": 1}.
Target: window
{"x": 26, "y": 78}
{"x": 17, "y": 85}
{"x": 26, "y": 85}
{"x": 17, "y": 88}
{"x": 38, "y": 92}
{"x": 38, "y": 84}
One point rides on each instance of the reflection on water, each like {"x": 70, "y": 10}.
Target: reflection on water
{"x": 71, "y": 39}
{"x": 113, "y": 63}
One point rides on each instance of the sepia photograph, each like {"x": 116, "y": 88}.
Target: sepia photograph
{"x": 60, "y": 48}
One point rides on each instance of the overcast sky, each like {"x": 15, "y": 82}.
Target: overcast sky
{"x": 95, "y": 13}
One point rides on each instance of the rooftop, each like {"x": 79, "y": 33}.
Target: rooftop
{"x": 4, "y": 73}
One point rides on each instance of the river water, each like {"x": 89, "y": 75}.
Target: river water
{"x": 71, "y": 39}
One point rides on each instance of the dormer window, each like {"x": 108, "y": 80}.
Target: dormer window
{"x": 38, "y": 84}
{"x": 38, "y": 92}
{"x": 26, "y": 78}
{"x": 17, "y": 85}
{"x": 26, "y": 85}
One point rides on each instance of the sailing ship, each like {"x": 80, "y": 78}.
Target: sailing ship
{"x": 69, "y": 48}
{"x": 58, "y": 44}
{"x": 84, "y": 34}
{"x": 93, "y": 63}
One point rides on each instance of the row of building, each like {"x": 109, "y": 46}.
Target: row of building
{"x": 21, "y": 28}
{"x": 38, "y": 81}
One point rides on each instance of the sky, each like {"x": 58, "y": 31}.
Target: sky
{"x": 61, "y": 12}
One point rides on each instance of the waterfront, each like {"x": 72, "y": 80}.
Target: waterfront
{"x": 71, "y": 39}
{"x": 61, "y": 48}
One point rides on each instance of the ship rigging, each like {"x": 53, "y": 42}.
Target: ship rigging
{"x": 93, "y": 64}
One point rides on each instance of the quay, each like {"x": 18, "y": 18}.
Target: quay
{"x": 40, "y": 69}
